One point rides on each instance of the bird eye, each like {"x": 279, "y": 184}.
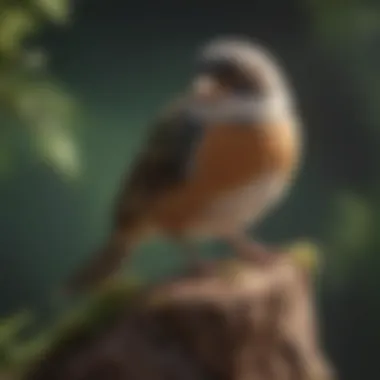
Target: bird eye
{"x": 229, "y": 75}
{"x": 215, "y": 68}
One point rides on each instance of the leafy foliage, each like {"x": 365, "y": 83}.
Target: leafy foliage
{"x": 29, "y": 97}
{"x": 18, "y": 352}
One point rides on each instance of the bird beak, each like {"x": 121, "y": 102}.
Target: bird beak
{"x": 204, "y": 85}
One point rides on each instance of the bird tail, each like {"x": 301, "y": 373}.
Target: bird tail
{"x": 105, "y": 263}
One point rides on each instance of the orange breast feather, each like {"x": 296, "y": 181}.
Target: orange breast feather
{"x": 228, "y": 157}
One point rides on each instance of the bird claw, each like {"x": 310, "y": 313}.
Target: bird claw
{"x": 203, "y": 268}
{"x": 256, "y": 253}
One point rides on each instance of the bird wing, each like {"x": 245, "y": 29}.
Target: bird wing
{"x": 171, "y": 150}
{"x": 165, "y": 161}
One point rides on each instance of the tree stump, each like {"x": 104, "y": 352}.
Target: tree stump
{"x": 239, "y": 322}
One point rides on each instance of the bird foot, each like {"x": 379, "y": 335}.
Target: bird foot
{"x": 255, "y": 252}
{"x": 203, "y": 268}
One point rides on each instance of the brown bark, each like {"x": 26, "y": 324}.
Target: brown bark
{"x": 239, "y": 322}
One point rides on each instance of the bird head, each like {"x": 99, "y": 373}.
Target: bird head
{"x": 238, "y": 66}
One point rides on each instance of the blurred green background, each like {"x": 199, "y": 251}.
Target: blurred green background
{"x": 79, "y": 83}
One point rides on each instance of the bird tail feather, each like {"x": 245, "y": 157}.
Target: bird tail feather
{"x": 104, "y": 264}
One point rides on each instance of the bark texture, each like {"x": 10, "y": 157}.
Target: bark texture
{"x": 240, "y": 321}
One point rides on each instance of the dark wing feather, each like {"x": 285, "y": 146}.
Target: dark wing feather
{"x": 165, "y": 161}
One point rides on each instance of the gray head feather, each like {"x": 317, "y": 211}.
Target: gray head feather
{"x": 250, "y": 57}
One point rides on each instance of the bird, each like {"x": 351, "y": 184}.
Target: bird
{"x": 217, "y": 160}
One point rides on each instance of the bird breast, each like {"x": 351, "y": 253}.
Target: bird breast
{"x": 238, "y": 171}
{"x": 245, "y": 171}
{"x": 230, "y": 156}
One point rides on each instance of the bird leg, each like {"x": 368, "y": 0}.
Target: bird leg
{"x": 196, "y": 263}
{"x": 247, "y": 249}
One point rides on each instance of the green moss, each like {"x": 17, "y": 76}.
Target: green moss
{"x": 95, "y": 313}
{"x": 306, "y": 253}
{"x": 78, "y": 325}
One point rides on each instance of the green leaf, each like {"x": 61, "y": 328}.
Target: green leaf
{"x": 349, "y": 237}
{"x": 47, "y": 112}
{"x": 55, "y": 10}
{"x": 11, "y": 327}
{"x": 352, "y": 229}
{"x": 16, "y": 23}
{"x": 346, "y": 25}
{"x": 58, "y": 149}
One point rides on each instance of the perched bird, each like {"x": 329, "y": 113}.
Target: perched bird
{"x": 217, "y": 160}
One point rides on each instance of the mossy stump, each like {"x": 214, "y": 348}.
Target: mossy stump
{"x": 238, "y": 322}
